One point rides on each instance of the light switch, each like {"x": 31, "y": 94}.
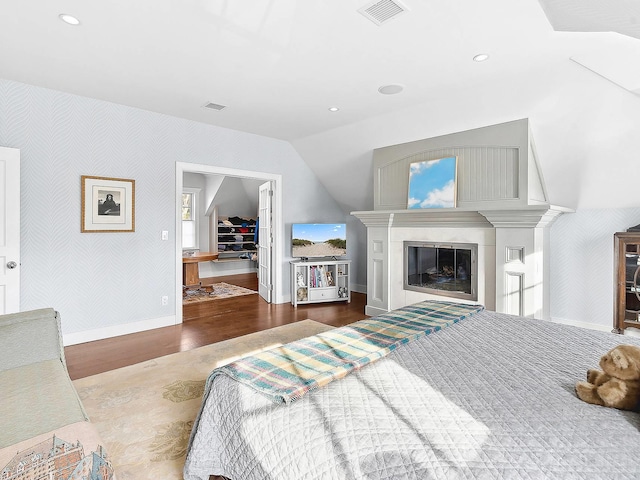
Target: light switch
{"x": 165, "y": 234}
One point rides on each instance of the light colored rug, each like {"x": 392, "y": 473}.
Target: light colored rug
{"x": 216, "y": 292}
{"x": 144, "y": 412}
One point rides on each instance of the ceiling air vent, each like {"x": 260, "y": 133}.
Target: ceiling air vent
{"x": 382, "y": 11}
{"x": 214, "y": 106}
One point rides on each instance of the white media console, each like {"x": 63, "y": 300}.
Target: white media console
{"x": 319, "y": 280}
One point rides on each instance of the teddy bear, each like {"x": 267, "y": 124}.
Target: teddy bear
{"x": 618, "y": 386}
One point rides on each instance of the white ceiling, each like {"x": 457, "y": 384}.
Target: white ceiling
{"x": 621, "y": 16}
{"x": 279, "y": 65}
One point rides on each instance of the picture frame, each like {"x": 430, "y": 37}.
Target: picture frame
{"x": 107, "y": 204}
{"x": 433, "y": 183}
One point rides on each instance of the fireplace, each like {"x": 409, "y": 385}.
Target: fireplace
{"x": 449, "y": 269}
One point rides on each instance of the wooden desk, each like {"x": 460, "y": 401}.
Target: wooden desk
{"x": 190, "y": 274}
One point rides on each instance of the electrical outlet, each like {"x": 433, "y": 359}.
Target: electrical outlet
{"x": 165, "y": 300}
{"x": 165, "y": 235}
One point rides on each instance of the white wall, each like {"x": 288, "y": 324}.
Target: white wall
{"x": 357, "y": 252}
{"x": 233, "y": 200}
{"x": 109, "y": 283}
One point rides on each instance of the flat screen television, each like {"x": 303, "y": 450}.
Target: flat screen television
{"x": 309, "y": 240}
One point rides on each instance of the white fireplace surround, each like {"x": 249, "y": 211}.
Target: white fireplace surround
{"x": 513, "y": 259}
{"x": 502, "y": 207}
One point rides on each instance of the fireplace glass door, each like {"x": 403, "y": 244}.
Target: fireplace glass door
{"x": 441, "y": 269}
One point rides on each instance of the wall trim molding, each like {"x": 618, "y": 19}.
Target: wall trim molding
{"x": 117, "y": 330}
{"x": 529, "y": 216}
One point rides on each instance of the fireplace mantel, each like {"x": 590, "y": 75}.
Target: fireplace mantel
{"x": 529, "y": 216}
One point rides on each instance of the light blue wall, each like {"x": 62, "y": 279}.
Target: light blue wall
{"x": 99, "y": 280}
{"x": 582, "y": 264}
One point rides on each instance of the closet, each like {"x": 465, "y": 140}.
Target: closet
{"x": 223, "y": 199}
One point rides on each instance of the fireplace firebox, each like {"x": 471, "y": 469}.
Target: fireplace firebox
{"x": 448, "y": 269}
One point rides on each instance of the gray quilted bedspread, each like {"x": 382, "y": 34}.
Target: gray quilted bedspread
{"x": 491, "y": 397}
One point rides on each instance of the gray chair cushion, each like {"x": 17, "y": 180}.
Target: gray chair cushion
{"x": 37, "y": 398}
{"x": 29, "y": 337}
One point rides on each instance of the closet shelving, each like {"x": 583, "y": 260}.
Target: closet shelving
{"x": 235, "y": 238}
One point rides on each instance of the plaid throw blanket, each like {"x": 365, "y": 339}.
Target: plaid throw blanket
{"x": 286, "y": 373}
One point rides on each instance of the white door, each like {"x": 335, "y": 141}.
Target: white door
{"x": 10, "y": 236}
{"x": 265, "y": 240}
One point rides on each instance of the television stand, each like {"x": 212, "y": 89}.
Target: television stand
{"x": 318, "y": 281}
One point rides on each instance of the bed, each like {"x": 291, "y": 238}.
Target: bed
{"x": 491, "y": 396}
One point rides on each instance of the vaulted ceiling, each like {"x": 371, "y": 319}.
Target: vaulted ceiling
{"x": 279, "y": 65}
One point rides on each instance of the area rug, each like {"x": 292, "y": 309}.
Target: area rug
{"x": 215, "y": 291}
{"x": 144, "y": 412}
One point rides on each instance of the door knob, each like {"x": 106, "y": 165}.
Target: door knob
{"x": 11, "y": 265}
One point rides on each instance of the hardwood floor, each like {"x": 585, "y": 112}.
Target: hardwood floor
{"x": 205, "y": 323}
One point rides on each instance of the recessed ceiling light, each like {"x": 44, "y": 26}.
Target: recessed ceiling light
{"x": 391, "y": 89}
{"x": 69, "y": 19}
{"x": 333, "y": 109}
{"x": 481, "y": 57}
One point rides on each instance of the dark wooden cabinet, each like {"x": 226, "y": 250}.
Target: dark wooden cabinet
{"x": 627, "y": 296}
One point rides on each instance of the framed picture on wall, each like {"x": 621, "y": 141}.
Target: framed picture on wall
{"x": 108, "y": 204}
{"x": 433, "y": 183}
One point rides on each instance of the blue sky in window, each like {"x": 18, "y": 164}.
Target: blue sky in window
{"x": 432, "y": 184}
{"x": 318, "y": 232}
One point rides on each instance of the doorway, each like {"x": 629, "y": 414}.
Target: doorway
{"x": 277, "y": 227}
{"x": 10, "y": 241}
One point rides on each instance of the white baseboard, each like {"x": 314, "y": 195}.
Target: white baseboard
{"x": 219, "y": 269}
{"x": 576, "y": 323}
{"x": 150, "y": 324}
{"x": 374, "y": 311}
{"x": 284, "y": 298}
{"x": 117, "y": 330}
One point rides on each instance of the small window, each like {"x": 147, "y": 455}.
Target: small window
{"x": 189, "y": 218}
